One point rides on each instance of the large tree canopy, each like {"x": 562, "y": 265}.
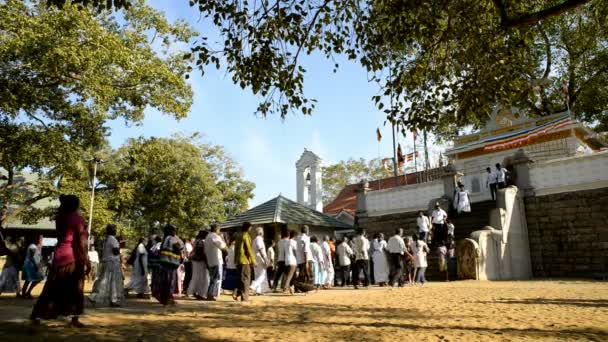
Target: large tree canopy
{"x": 443, "y": 64}
{"x": 65, "y": 73}
{"x": 174, "y": 180}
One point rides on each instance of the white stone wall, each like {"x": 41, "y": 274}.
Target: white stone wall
{"x": 475, "y": 174}
{"x": 570, "y": 174}
{"x": 404, "y": 198}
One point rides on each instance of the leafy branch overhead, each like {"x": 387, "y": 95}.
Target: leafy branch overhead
{"x": 440, "y": 64}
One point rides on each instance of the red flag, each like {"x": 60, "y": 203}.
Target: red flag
{"x": 400, "y": 157}
{"x": 378, "y": 135}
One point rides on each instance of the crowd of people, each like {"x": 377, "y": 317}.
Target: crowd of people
{"x": 242, "y": 264}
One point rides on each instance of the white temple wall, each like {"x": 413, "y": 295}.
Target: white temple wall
{"x": 570, "y": 174}
{"x": 404, "y": 198}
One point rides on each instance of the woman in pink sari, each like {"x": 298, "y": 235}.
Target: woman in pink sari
{"x": 63, "y": 292}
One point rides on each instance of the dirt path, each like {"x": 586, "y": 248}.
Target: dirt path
{"x": 458, "y": 311}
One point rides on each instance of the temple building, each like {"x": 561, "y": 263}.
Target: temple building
{"x": 547, "y": 138}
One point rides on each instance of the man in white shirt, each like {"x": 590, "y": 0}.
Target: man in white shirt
{"x": 491, "y": 183}
{"x": 424, "y": 225}
{"x": 396, "y": 248}
{"x": 303, "y": 254}
{"x": 361, "y": 250}
{"x": 214, "y": 244}
{"x": 501, "y": 176}
{"x": 438, "y": 218}
{"x": 344, "y": 252}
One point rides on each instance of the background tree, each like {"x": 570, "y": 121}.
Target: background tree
{"x": 174, "y": 180}
{"x": 65, "y": 73}
{"x": 343, "y": 173}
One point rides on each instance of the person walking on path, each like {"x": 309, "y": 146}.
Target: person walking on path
{"x": 9, "y": 278}
{"x": 329, "y": 262}
{"x": 108, "y": 288}
{"x": 396, "y": 248}
{"x": 63, "y": 292}
{"x": 381, "y": 268}
{"x": 344, "y": 253}
{"x": 318, "y": 263}
{"x": 272, "y": 264}
{"x": 259, "y": 285}
{"x": 214, "y": 245}
{"x": 361, "y": 244}
{"x": 32, "y": 268}
{"x": 303, "y": 255}
{"x": 169, "y": 258}
{"x": 199, "y": 283}
{"x": 420, "y": 251}
{"x": 244, "y": 257}
{"x": 139, "y": 277}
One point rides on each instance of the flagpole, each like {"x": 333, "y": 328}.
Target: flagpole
{"x": 395, "y": 162}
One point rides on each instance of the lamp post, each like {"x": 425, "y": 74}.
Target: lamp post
{"x": 95, "y": 161}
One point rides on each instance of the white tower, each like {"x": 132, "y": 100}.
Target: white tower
{"x": 309, "y": 180}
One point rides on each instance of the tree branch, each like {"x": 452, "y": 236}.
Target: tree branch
{"x": 534, "y": 17}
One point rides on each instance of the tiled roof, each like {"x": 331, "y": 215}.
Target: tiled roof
{"x": 347, "y": 198}
{"x": 283, "y": 210}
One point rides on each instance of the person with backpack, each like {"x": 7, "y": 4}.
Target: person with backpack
{"x": 9, "y": 278}
{"x": 139, "y": 277}
{"x": 170, "y": 259}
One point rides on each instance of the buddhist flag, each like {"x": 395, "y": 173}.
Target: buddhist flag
{"x": 378, "y": 135}
{"x": 400, "y": 157}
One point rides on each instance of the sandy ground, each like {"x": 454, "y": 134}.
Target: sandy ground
{"x": 457, "y": 311}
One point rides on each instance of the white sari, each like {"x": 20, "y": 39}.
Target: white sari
{"x": 381, "y": 270}
{"x": 260, "y": 281}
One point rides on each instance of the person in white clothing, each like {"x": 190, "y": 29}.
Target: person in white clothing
{"x": 272, "y": 263}
{"x": 108, "y": 288}
{"x": 424, "y": 226}
{"x": 214, "y": 245}
{"x": 139, "y": 277}
{"x": 501, "y": 176}
{"x": 259, "y": 285}
{"x": 94, "y": 259}
{"x": 303, "y": 255}
{"x": 318, "y": 263}
{"x": 396, "y": 248}
{"x": 491, "y": 183}
{"x": 379, "y": 257}
{"x": 199, "y": 284}
{"x": 438, "y": 217}
{"x": 420, "y": 251}
{"x": 462, "y": 202}
{"x": 329, "y": 264}
{"x": 344, "y": 253}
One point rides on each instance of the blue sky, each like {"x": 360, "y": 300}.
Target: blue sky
{"x": 342, "y": 126}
